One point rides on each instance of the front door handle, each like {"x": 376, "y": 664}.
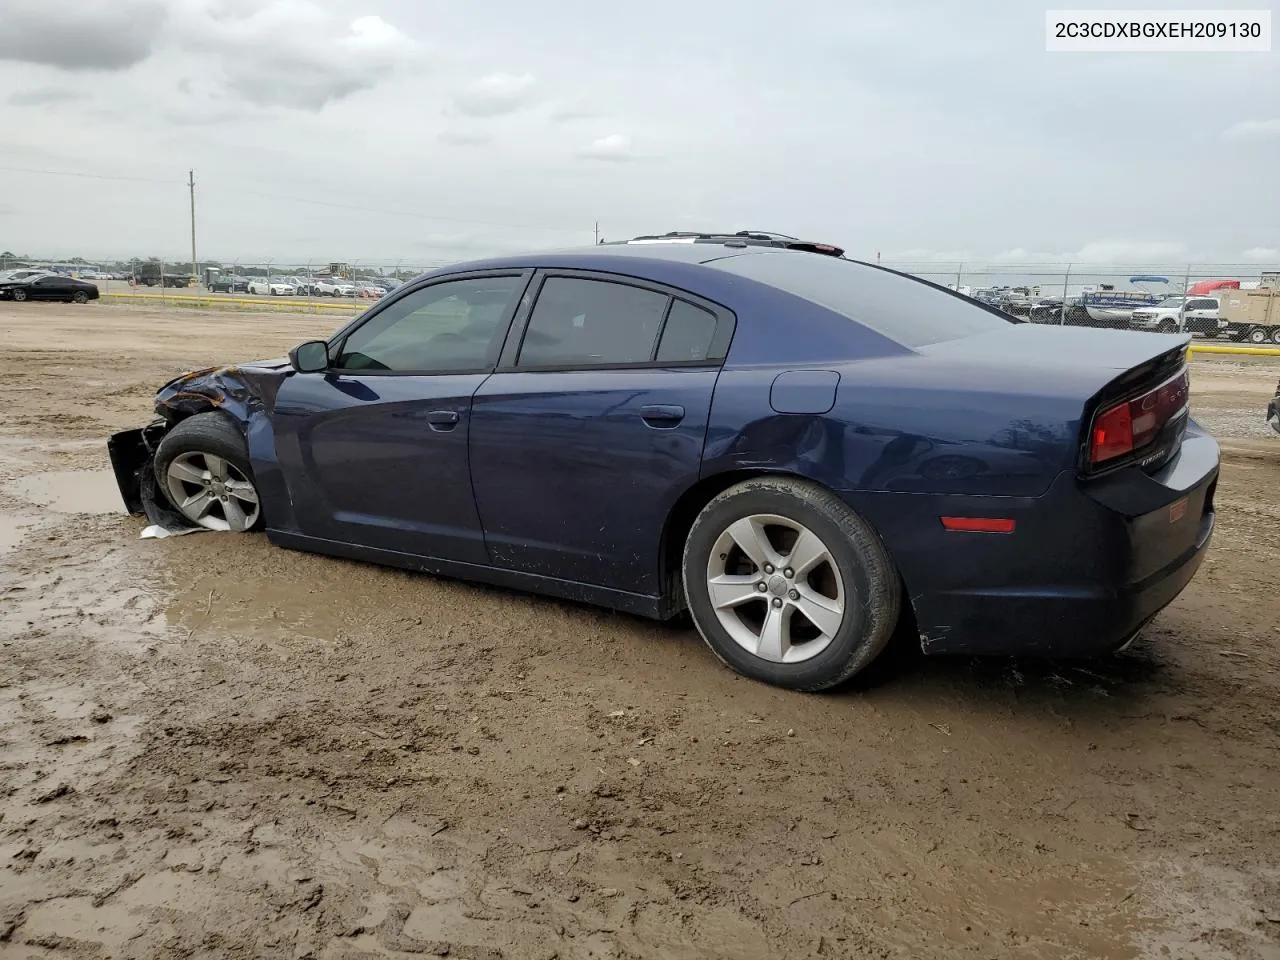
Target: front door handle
{"x": 662, "y": 414}
{"x": 442, "y": 419}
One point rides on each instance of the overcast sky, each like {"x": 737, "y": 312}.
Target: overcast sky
{"x": 427, "y": 130}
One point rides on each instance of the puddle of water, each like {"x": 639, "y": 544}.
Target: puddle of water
{"x": 10, "y": 532}
{"x": 71, "y": 491}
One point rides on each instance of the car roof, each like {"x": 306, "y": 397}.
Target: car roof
{"x": 599, "y": 255}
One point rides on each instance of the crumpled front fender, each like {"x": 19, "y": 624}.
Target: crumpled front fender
{"x": 239, "y": 390}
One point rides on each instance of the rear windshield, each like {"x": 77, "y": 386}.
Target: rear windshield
{"x": 901, "y": 308}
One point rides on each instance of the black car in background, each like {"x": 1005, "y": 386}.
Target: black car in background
{"x": 49, "y": 286}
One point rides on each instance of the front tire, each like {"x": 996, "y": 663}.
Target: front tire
{"x": 202, "y": 465}
{"x": 19, "y": 294}
{"x": 788, "y": 585}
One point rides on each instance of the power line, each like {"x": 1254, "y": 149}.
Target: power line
{"x": 319, "y": 203}
{"x": 90, "y": 176}
{"x": 405, "y": 213}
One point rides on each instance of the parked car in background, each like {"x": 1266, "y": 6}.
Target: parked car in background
{"x": 333, "y": 287}
{"x": 303, "y": 286}
{"x": 229, "y": 284}
{"x": 369, "y": 290}
{"x": 261, "y": 287}
{"x": 25, "y": 273}
{"x": 49, "y": 286}
{"x": 784, "y": 442}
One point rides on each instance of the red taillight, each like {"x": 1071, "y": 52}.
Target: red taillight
{"x": 1131, "y": 425}
{"x": 1112, "y": 434}
{"x": 978, "y": 524}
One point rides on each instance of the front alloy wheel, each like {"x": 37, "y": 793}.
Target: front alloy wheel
{"x": 212, "y": 492}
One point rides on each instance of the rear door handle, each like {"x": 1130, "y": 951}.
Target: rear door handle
{"x": 664, "y": 414}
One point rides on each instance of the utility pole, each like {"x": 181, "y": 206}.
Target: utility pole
{"x": 191, "y": 185}
{"x": 597, "y": 232}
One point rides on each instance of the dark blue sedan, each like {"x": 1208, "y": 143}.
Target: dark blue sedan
{"x": 806, "y": 452}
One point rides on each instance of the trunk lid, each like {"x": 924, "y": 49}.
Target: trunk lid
{"x": 1105, "y": 369}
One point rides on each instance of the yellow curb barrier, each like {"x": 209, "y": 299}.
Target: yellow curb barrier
{"x": 1228, "y": 349}
{"x": 277, "y": 303}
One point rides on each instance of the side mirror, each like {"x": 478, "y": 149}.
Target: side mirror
{"x": 310, "y": 357}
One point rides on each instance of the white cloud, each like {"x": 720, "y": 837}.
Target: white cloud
{"x": 1262, "y": 255}
{"x": 77, "y": 36}
{"x": 496, "y": 94}
{"x": 465, "y": 138}
{"x": 1119, "y": 251}
{"x": 615, "y": 147}
{"x": 292, "y": 53}
{"x": 1252, "y": 130}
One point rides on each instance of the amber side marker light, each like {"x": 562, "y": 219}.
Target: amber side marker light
{"x": 978, "y": 524}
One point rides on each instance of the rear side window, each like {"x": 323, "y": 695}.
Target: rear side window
{"x": 584, "y": 323}
{"x": 688, "y": 333}
{"x": 899, "y": 307}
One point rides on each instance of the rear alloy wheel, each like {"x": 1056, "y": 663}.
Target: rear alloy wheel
{"x": 203, "y": 468}
{"x": 80, "y": 297}
{"x": 788, "y": 585}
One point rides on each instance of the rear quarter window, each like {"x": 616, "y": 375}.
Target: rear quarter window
{"x": 901, "y": 308}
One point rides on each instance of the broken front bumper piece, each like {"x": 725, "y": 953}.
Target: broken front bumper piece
{"x": 132, "y": 454}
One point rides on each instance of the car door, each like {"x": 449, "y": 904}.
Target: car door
{"x": 48, "y": 288}
{"x": 374, "y": 449}
{"x": 593, "y": 426}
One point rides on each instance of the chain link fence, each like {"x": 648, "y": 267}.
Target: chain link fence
{"x": 1087, "y": 294}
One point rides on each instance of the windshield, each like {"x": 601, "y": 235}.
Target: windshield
{"x": 1171, "y": 302}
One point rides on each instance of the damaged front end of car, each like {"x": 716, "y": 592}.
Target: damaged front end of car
{"x": 238, "y": 390}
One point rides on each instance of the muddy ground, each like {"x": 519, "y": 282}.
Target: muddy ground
{"x": 212, "y": 747}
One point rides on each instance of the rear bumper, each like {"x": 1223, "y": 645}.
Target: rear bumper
{"x": 1087, "y": 566}
{"x": 1083, "y": 621}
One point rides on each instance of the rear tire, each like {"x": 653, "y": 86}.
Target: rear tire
{"x": 226, "y": 496}
{"x": 80, "y": 297}
{"x": 1275, "y": 335}
{"x": 759, "y": 623}
{"x": 1256, "y": 335}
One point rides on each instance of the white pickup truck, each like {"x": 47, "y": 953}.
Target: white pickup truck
{"x": 1192, "y": 314}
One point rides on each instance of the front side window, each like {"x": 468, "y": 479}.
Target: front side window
{"x": 444, "y": 328}
{"x": 584, "y": 323}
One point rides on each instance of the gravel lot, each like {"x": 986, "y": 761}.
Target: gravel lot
{"x": 213, "y": 747}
